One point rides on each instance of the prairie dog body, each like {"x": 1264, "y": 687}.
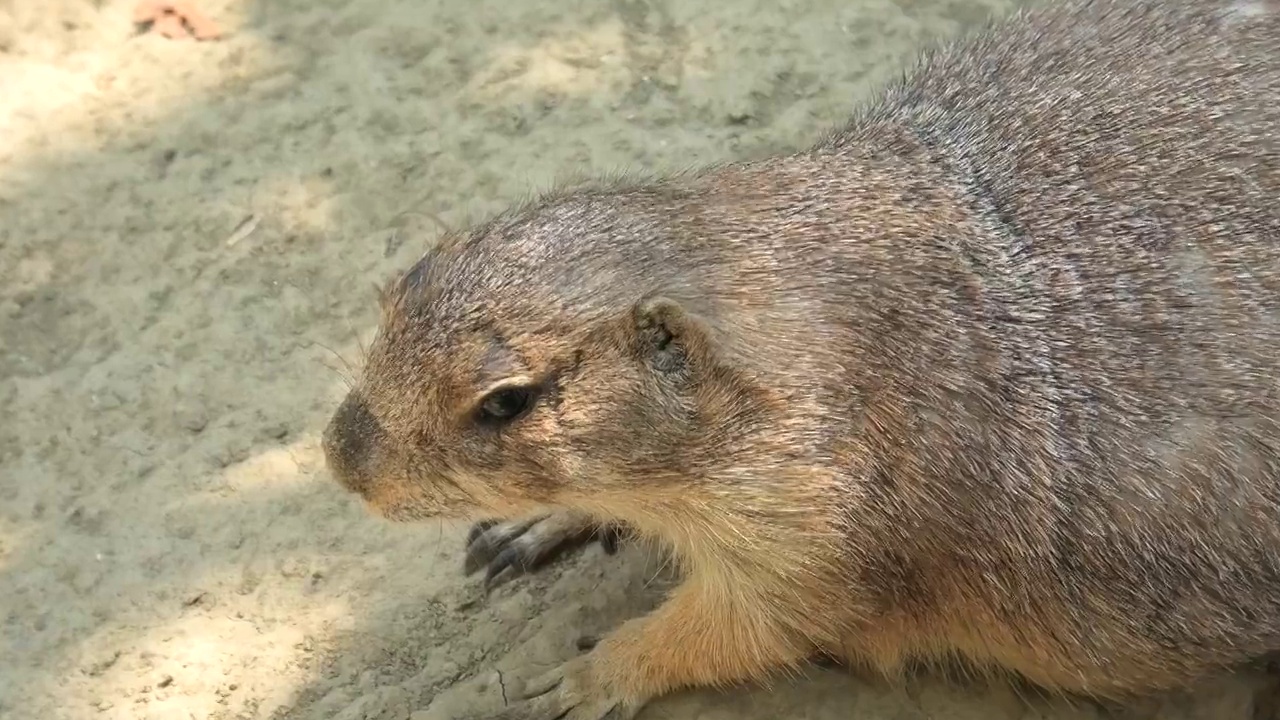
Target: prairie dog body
{"x": 992, "y": 372}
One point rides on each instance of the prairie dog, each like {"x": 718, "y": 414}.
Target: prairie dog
{"x": 991, "y": 372}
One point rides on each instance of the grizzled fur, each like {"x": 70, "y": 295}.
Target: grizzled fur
{"x": 992, "y": 372}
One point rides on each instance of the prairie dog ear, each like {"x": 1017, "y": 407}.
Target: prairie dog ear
{"x": 668, "y": 333}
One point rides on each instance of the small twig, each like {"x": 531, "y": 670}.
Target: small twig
{"x": 243, "y": 230}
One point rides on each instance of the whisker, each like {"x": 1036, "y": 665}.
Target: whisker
{"x": 346, "y": 379}
{"x": 650, "y": 549}
{"x": 445, "y": 228}
{"x": 364, "y": 352}
{"x": 352, "y": 372}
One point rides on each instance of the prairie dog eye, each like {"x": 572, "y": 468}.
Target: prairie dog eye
{"x": 506, "y": 404}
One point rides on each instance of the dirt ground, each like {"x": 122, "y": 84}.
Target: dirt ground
{"x": 189, "y": 238}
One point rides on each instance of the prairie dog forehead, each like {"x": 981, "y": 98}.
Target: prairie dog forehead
{"x": 440, "y": 347}
{"x": 503, "y": 299}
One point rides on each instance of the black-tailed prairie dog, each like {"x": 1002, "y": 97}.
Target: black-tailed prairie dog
{"x": 991, "y": 372}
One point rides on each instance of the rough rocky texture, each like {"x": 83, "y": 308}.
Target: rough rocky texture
{"x": 189, "y": 235}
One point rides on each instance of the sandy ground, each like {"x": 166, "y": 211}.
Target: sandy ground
{"x": 189, "y": 237}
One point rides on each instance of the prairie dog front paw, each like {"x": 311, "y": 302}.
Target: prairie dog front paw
{"x": 510, "y": 549}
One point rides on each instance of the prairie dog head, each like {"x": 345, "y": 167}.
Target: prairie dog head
{"x": 536, "y": 361}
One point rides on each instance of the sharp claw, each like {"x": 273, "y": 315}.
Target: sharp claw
{"x": 470, "y": 564}
{"x": 479, "y": 529}
{"x": 477, "y": 556}
{"x": 547, "y": 685}
{"x": 508, "y": 558}
{"x": 480, "y": 549}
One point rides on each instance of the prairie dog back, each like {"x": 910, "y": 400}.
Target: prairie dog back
{"x": 1093, "y": 390}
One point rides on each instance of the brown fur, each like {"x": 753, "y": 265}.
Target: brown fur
{"x": 992, "y": 372}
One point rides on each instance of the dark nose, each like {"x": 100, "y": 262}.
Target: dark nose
{"x": 349, "y": 443}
